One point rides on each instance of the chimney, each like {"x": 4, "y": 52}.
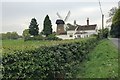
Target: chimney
{"x": 87, "y": 21}
{"x": 74, "y": 22}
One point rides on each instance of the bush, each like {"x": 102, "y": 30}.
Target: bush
{"x": 9, "y": 35}
{"x": 39, "y": 37}
{"x": 115, "y": 30}
{"x": 103, "y": 33}
{"x": 47, "y": 63}
{"x": 52, "y": 37}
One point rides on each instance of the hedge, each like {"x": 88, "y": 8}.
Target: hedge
{"x": 47, "y": 63}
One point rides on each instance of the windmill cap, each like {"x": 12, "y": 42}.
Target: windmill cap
{"x": 59, "y": 21}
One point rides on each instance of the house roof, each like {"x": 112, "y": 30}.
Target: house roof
{"x": 86, "y": 27}
{"x": 81, "y": 27}
{"x": 71, "y": 27}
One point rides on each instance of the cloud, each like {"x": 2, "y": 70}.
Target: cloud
{"x": 17, "y": 16}
{"x": 57, "y": 0}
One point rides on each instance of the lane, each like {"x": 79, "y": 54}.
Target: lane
{"x": 116, "y": 41}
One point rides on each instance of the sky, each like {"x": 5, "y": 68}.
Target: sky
{"x": 17, "y": 14}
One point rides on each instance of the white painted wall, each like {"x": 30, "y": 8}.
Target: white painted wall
{"x": 89, "y": 32}
{"x": 64, "y": 37}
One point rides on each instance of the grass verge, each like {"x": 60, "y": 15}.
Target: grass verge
{"x": 102, "y": 62}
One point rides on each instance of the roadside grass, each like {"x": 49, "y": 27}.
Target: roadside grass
{"x": 102, "y": 62}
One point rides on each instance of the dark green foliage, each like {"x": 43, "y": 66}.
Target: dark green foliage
{"x": 47, "y": 30}
{"x": 116, "y": 17}
{"x": 9, "y": 35}
{"x": 52, "y": 37}
{"x": 33, "y": 28}
{"x": 38, "y": 37}
{"x": 115, "y": 27}
{"x": 103, "y": 33}
{"x": 26, "y": 33}
{"x": 45, "y": 63}
{"x": 115, "y": 30}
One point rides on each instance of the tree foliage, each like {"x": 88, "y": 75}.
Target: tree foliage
{"x": 116, "y": 17}
{"x": 33, "y": 28}
{"x": 10, "y": 35}
{"x": 115, "y": 27}
{"x": 115, "y": 30}
{"x": 111, "y": 14}
{"x": 26, "y": 33}
{"x": 47, "y": 30}
{"x": 103, "y": 33}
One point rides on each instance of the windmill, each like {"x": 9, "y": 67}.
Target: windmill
{"x": 61, "y": 26}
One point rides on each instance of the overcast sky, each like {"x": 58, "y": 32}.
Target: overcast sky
{"x": 16, "y": 16}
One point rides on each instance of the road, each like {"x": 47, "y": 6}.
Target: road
{"x": 116, "y": 41}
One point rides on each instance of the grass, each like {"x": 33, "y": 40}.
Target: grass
{"x": 102, "y": 62}
{"x": 9, "y": 46}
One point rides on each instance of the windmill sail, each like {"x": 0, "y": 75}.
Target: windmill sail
{"x": 59, "y": 15}
{"x": 66, "y": 18}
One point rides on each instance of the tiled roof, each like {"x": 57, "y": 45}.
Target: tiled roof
{"x": 86, "y": 27}
{"x": 83, "y": 27}
{"x": 71, "y": 27}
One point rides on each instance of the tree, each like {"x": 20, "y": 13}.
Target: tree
{"x": 115, "y": 27}
{"x": 103, "y": 33}
{"x": 10, "y": 35}
{"x": 26, "y": 33}
{"x": 116, "y": 17}
{"x": 14, "y": 35}
{"x": 111, "y": 14}
{"x": 33, "y": 28}
{"x": 47, "y": 30}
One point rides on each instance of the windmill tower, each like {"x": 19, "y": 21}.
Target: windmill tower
{"x": 61, "y": 26}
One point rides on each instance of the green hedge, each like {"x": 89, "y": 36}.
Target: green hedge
{"x": 47, "y": 62}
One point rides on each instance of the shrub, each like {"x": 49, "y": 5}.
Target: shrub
{"x": 103, "y": 33}
{"x": 52, "y": 37}
{"x": 58, "y": 61}
{"x": 39, "y": 37}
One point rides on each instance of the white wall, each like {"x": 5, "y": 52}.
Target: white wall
{"x": 65, "y": 37}
{"x": 89, "y": 32}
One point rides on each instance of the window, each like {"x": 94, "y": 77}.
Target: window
{"x": 78, "y": 36}
{"x": 71, "y": 35}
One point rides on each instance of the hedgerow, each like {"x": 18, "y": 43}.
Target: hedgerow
{"x": 44, "y": 63}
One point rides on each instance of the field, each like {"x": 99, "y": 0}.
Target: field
{"x": 9, "y": 46}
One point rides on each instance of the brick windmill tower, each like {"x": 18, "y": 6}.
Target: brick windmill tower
{"x": 61, "y": 26}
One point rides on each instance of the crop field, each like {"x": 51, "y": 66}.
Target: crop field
{"x": 9, "y": 46}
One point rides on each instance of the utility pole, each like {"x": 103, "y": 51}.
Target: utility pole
{"x": 102, "y": 17}
{"x": 102, "y": 21}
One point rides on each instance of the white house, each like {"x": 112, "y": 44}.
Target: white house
{"x": 79, "y": 31}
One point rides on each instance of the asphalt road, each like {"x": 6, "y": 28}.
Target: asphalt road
{"x": 116, "y": 41}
